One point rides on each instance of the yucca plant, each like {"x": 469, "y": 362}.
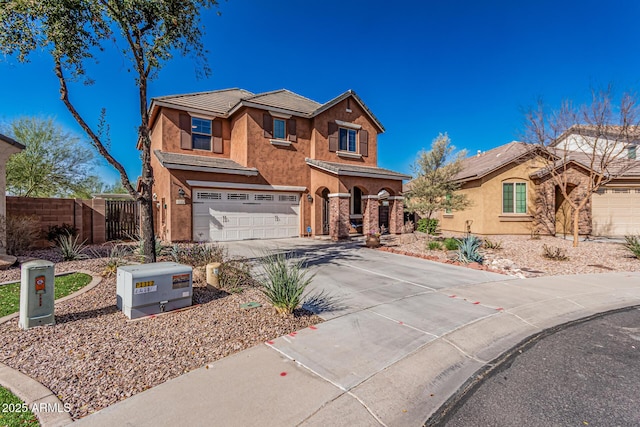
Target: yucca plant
{"x": 71, "y": 248}
{"x": 468, "y": 250}
{"x": 283, "y": 281}
{"x": 632, "y": 243}
{"x": 117, "y": 258}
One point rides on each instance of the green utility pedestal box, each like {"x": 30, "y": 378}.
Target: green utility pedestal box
{"x": 37, "y": 294}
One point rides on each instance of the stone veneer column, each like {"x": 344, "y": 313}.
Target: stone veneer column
{"x": 396, "y": 215}
{"x": 339, "y": 215}
{"x": 370, "y": 216}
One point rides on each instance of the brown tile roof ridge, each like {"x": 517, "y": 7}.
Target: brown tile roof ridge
{"x": 477, "y": 166}
{"x": 196, "y": 160}
{"x": 346, "y": 167}
{"x": 284, "y": 90}
{"x": 205, "y": 92}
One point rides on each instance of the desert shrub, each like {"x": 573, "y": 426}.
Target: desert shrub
{"x": 451, "y": 244}
{"x": 632, "y": 243}
{"x": 283, "y": 281}
{"x": 234, "y": 275}
{"x": 158, "y": 247}
{"x": 434, "y": 245}
{"x": 490, "y": 244}
{"x": 56, "y": 231}
{"x": 427, "y": 225}
{"x": 117, "y": 258}
{"x": 555, "y": 253}
{"x": 198, "y": 254}
{"x": 408, "y": 227}
{"x": 535, "y": 235}
{"x": 71, "y": 248}
{"x": 22, "y": 233}
{"x": 468, "y": 250}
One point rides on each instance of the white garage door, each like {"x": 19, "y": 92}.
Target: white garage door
{"x": 220, "y": 215}
{"x": 616, "y": 211}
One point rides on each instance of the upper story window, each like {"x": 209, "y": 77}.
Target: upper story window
{"x": 201, "y": 134}
{"x": 279, "y": 129}
{"x": 632, "y": 151}
{"x": 514, "y": 197}
{"x": 347, "y": 140}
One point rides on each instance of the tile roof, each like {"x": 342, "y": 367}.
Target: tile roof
{"x": 618, "y": 167}
{"x": 225, "y": 102}
{"x": 355, "y": 170}
{"x": 286, "y": 100}
{"x": 480, "y": 165}
{"x": 11, "y": 141}
{"x": 180, "y": 161}
{"x": 217, "y": 101}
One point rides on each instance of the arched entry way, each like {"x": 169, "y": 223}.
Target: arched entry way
{"x": 384, "y": 209}
{"x": 324, "y": 197}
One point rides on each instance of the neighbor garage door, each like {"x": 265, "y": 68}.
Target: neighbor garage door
{"x": 616, "y": 211}
{"x": 220, "y": 215}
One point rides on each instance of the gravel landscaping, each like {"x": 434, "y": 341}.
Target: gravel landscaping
{"x": 522, "y": 256}
{"x": 94, "y": 356}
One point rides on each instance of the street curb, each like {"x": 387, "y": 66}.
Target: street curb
{"x": 33, "y": 392}
{"x": 95, "y": 281}
{"x": 502, "y": 362}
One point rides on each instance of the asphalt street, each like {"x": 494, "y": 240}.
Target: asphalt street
{"x": 585, "y": 374}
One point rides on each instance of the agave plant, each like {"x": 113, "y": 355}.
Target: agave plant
{"x": 468, "y": 250}
{"x": 71, "y": 249}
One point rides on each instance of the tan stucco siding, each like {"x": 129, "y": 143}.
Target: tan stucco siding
{"x": 486, "y": 197}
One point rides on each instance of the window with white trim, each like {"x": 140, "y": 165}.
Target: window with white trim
{"x": 514, "y": 197}
{"x": 632, "y": 151}
{"x": 347, "y": 140}
{"x": 279, "y": 128}
{"x": 200, "y": 134}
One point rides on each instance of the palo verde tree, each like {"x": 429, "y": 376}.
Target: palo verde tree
{"x": 592, "y": 138}
{"x": 54, "y": 163}
{"x": 434, "y": 187}
{"x": 74, "y": 31}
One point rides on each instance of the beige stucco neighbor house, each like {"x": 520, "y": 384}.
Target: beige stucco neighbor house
{"x": 8, "y": 146}
{"x": 233, "y": 165}
{"x": 511, "y": 194}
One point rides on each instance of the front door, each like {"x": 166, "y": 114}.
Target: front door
{"x": 383, "y": 215}
{"x": 325, "y": 211}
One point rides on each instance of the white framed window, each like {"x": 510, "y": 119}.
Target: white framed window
{"x": 447, "y": 210}
{"x": 632, "y": 152}
{"x": 514, "y": 197}
{"x": 200, "y": 134}
{"x": 347, "y": 140}
{"x": 279, "y": 128}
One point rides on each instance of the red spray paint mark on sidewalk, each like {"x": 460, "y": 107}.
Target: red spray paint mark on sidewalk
{"x": 283, "y": 374}
{"x": 270, "y": 342}
{"x": 312, "y": 327}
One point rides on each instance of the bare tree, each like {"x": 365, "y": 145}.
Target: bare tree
{"x": 584, "y": 147}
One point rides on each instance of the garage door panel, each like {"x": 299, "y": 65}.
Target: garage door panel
{"x": 616, "y": 212}
{"x": 238, "y": 215}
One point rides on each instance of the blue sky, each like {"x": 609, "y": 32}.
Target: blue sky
{"x": 468, "y": 68}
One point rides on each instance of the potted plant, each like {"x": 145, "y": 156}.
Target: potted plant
{"x": 373, "y": 239}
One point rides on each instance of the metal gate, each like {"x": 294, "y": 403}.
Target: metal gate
{"x": 122, "y": 219}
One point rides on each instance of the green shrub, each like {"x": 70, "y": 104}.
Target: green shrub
{"x": 71, "y": 248}
{"x": 554, "y": 253}
{"x": 490, "y": 244}
{"x": 56, "y": 231}
{"x": 427, "y": 225}
{"x": 22, "y": 233}
{"x": 451, "y": 244}
{"x": 468, "y": 250}
{"x": 235, "y": 274}
{"x": 632, "y": 243}
{"x": 283, "y": 281}
{"x": 434, "y": 245}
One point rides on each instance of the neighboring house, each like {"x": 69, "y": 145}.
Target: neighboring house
{"x": 233, "y": 165}
{"x": 8, "y": 146}
{"x": 512, "y": 194}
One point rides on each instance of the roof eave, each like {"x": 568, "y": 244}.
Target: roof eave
{"x": 324, "y": 107}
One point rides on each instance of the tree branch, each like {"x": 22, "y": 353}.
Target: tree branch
{"x": 64, "y": 96}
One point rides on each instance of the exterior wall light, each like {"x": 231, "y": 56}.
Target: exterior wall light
{"x": 309, "y": 198}
{"x": 181, "y": 193}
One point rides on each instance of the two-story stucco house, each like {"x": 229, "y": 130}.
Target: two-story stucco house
{"x": 233, "y": 165}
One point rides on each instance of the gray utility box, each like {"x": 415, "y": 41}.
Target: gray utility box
{"x": 153, "y": 288}
{"x": 36, "y": 294}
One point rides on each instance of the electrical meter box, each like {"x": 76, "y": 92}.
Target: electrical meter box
{"x": 36, "y": 294}
{"x": 153, "y": 288}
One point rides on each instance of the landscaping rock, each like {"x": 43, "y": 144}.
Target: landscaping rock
{"x": 7, "y": 261}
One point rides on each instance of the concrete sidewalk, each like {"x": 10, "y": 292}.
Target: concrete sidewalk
{"x": 392, "y": 364}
